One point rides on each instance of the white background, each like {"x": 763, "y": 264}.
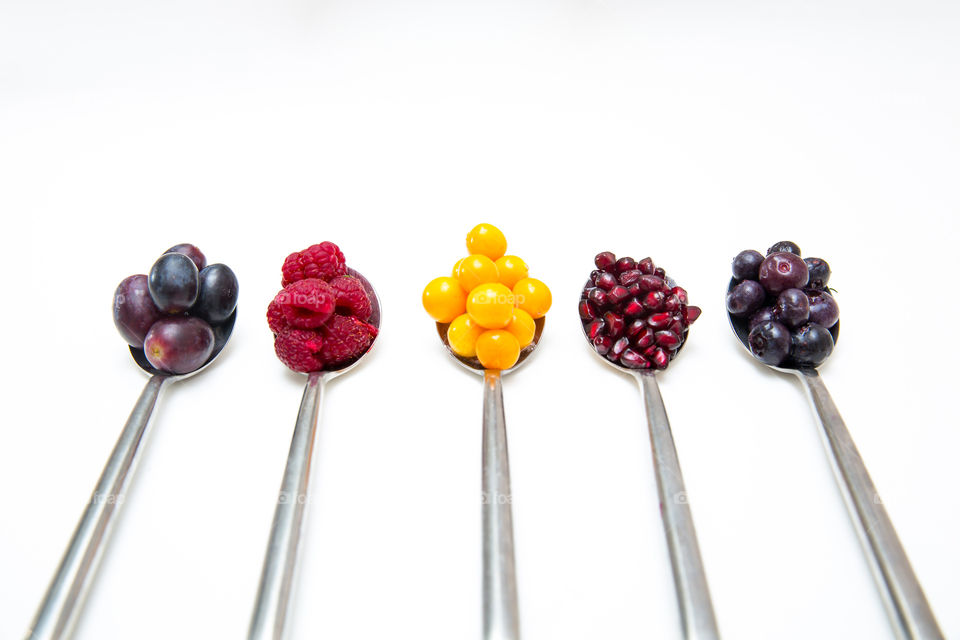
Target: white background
{"x": 686, "y": 131}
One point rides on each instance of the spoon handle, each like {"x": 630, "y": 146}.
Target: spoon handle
{"x": 279, "y": 564}
{"x": 693, "y": 595}
{"x": 500, "y": 612}
{"x": 61, "y": 606}
{"x": 906, "y": 604}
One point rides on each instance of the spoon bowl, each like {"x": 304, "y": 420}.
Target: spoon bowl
{"x": 473, "y": 364}
{"x": 221, "y": 334}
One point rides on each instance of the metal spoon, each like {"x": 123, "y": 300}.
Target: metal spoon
{"x": 63, "y": 601}
{"x": 274, "y": 594}
{"x": 910, "y": 613}
{"x": 501, "y": 617}
{"x": 690, "y": 578}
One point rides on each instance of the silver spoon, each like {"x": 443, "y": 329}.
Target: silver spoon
{"x": 501, "y": 617}
{"x": 61, "y": 606}
{"x": 690, "y": 578}
{"x": 274, "y": 593}
{"x": 910, "y": 613}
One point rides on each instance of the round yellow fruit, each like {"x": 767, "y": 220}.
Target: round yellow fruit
{"x": 462, "y": 336}
{"x": 512, "y": 270}
{"x": 475, "y": 270}
{"x": 491, "y": 305}
{"x": 533, "y": 297}
{"x": 486, "y": 240}
{"x": 444, "y": 299}
{"x": 498, "y": 349}
{"x": 523, "y": 327}
{"x": 456, "y": 268}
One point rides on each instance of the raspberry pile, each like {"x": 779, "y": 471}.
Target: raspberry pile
{"x": 320, "y": 319}
{"x": 175, "y": 313}
{"x": 782, "y": 304}
{"x": 633, "y": 314}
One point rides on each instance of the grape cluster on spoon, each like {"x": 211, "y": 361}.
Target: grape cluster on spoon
{"x": 172, "y": 313}
{"x": 784, "y": 303}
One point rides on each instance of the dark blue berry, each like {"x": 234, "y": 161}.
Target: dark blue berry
{"x": 745, "y": 298}
{"x": 819, "y": 272}
{"x": 812, "y": 344}
{"x": 770, "y": 343}
{"x": 784, "y": 245}
{"x": 219, "y": 290}
{"x": 793, "y": 307}
{"x": 174, "y": 283}
{"x": 746, "y": 266}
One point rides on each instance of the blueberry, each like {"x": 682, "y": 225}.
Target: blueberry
{"x": 174, "y": 283}
{"x": 178, "y": 344}
{"x": 745, "y": 298}
{"x": 783, "y": 270}
{"x": 765, "y": 314}
{"x": 819, "y": 272}
{"x": 219, "y": 290}
{"x": 784, "y": 246}
{"x": 133, "y": 310}
{"x": 823, "y": 309}
{"x": 746, "y": 266}
{"x": 770, "y": 343}
{"x": 793, "y": 307}
{"x": 192, "y": 252}
{"x": 812, "y": 344}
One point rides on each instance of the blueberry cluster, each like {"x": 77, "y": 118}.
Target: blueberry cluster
{"x": 173, "y": 313}
{"x": 782, "y": 301}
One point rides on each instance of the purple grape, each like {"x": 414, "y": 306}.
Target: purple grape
{"x": 780, "y": 271}
{"x": 192, "y": 252}
{"x": 812, "y": 344}
{"x": 174, "y": 283}
{"x": 746, "y": 266}
{"x": 745, "y": 298}
{"x": 133, "y": 310}
{"x": 793, "y": 307}
{"x": 178, "y": 344}
{"x": 770, "y": 343}
{"x": 219, "y": 290}
{"x": 823, "y": 309}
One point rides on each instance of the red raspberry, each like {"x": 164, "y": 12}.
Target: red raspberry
{"x": 344, "y": 339}
{"x": 299, "y": 349}
{"x": 275, "y": 317}
{"x": 324, "y": 261}
{"x": 352, "y": 297}
{"x": 307, "y": 304}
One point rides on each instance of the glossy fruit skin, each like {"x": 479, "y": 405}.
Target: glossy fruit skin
{"x": 763, "y": 314}
{"x": 770, "y": 343}
{"x": 462, "y": 336}
{"x": 819, "y": 271}
{"x": 784, "y": 246}
{"x": 605, "y": 261}
{"x": 485, "y": 239}
{"x": 476, "y": 270}
{"x": 174, "y": 283}
{"x": 192, "y": 252}
{"x": 533, "y": 296}
{"x": 745, "y": 298}
{"x": 219, "y": 291}
{"x": 746, "y": 265}
{"x": 491, "y": 305}
{"x": 498, "y": 349}
{"x": 178, "y": 344}
{"x": 444, "y": 299}
{"x": 523, "y": 327}
{"x": 793, "y": 307}
{"x": 455, "y": 274}
{"x": 780, "y": 271}
{"x": 133, "y": 310}
{"x": 824, "y": 309}
{"x": 512, "y": 269}
{"x": 812, "y": 344}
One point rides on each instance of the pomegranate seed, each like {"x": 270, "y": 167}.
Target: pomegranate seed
{"x": 633, "y": 308}
{"x": 595, "y": 328}
{"x": 659, "y": 320}
{"x": 617, "y": 295}
{"x": 660, "y": 272}
{"x": 672, "y": 303}
{"x": 587, "y": 311}
{"x": 668, "y": 339}
{"x": 653, "y": 301}
{"x": 651, "y": 283}
{"x": 677, "y": 327}
{"x": 626, "y": 264}
{"x": 627, "y": 278}
{"x": 660, "y": 359}
{"x": 605, "y": 260}
{"x": 633, "y": 360}
{"x": 617, "y": 349}
{"x": 614, "y": 324}
{"x": 651, "y": 350}
{"x": 693, "y": 313}
{"x": 634, "y": 289}
{"x": 598, "y": 297}
{"x": 646, "y": 266}
{"x": 681, "y": 293}
{"x": 645, "y": 339}
{"x": 635, "y": 328}
{"x": 602, "y": 344}
{"x": 606, "y": 281}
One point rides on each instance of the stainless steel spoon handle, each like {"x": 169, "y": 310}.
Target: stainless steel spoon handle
{"x": 693, "y": 595}
{"x": 61, "y": 606}
{"x": 279, "y": 564}
{"x": 501, "y": 619}
{"x": 906, "y": 604}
